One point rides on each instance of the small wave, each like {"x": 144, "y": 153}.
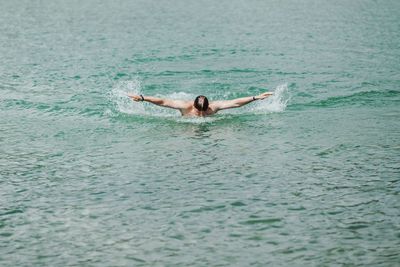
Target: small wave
{"x": 46, "y": 109}
{"x": 366, "y": 98}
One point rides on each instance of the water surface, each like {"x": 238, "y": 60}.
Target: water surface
{"x": 309, "y": 177}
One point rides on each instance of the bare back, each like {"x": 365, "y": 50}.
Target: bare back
{"x": 191, "y": 111}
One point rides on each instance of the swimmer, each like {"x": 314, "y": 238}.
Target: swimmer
{"x": 200, "y": 107}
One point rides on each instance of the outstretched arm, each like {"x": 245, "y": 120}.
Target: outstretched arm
{"x": 238, "y": 102}
{"x": 169, "y": 103}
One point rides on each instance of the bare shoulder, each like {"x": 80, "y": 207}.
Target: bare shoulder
{"x": 186, "y": 104}
{"x": 178, "y": 104}
{"x": 217, "y": 105}
{"x": 214, "y": 104}
{"x": 182, "y": 104}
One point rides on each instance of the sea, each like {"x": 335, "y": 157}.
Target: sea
{"x": 307, "y": 177}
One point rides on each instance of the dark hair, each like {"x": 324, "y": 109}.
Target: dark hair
{"x": 201, "y": 103}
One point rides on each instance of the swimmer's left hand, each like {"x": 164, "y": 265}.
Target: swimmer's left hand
{"x": 264, "y": 95}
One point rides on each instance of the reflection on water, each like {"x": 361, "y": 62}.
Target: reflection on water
{"x": 199, "y": 130}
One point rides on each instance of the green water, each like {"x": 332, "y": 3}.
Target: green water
{"x": 310, "y": 177}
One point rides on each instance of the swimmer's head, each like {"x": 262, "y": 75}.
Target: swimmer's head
{"x": 201, "y": 103}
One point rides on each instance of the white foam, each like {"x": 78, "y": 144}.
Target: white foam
{"x": 119, "y": 96}
{"x": 275, "y": 103}
{"x": 199, "y": 120}
{"x": 181, "y": 96}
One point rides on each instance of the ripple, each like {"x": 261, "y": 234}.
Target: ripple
{"x": 262, "y": 221}
{"x": 238, "y": 204}
{"x": 208, "y": 208}
{"x": 11, "y": 212}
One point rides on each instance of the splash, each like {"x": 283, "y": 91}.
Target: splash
{"x": 123, "y": 104}
{"x": 119, "y": 97}
{"x": 275, "y": 103}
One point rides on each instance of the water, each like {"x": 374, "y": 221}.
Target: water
{"x": 309, "y": 177}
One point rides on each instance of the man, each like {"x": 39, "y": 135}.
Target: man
{"x": 200, "y": 107}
